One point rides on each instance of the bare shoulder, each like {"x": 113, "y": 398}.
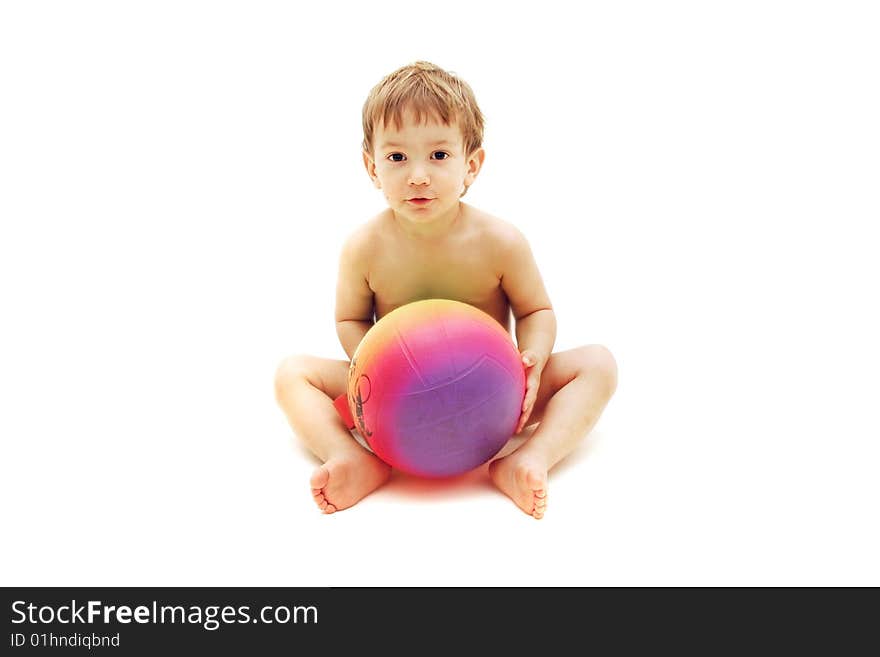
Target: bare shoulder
{"x": 515, "y": 265}
{"x": 498, "y": 235}
{"x": 360, "y": 245}
{"x": 495, "y": 228}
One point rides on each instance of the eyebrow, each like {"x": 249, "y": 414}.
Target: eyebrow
{"x": 391, "y": 144}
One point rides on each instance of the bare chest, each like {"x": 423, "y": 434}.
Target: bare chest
{"x": 403, "y": 275}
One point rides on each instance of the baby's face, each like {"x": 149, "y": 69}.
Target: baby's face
{"x": 421, "y": 168}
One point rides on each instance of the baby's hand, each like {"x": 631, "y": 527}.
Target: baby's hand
{"x": 533, "y": 379}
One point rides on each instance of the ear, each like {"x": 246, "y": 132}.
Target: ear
{"x": 370, "y": 165}
{"x": 474, "y": 164}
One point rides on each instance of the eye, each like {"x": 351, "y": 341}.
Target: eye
{"x": 441, "y": 155}
{"x": 397, "y": 157}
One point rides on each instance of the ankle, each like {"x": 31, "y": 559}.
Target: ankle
{"x": 352, "y": 453}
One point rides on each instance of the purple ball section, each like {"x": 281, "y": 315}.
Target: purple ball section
{"x": 459, "y": 402}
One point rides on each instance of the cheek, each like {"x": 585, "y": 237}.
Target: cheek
{"x": 452, "y": 179}
{"x": 390, "y": 176}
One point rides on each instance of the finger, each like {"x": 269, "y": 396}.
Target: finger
{"x": 531, "y": 392}
{"x": 528, "y": 403}
{"x": 522, "y": 420}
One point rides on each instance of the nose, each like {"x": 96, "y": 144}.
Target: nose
{"x": 418, "y": 175}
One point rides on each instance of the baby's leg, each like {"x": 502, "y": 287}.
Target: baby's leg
{"x": 305, "y": 388}
{"x": 575, "y": 387}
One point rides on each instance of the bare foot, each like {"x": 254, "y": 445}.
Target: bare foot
{"x": 345, "y": 480}
{"x": 524, "y": 480}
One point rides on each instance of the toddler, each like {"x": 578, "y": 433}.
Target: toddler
{"x": 423, "y": 149}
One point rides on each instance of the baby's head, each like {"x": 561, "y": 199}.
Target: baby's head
{"x": 412, "y": 116}
{"x": 430, "y": 93}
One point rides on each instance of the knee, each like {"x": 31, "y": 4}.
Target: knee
{"x": 597, "y": 363}
{"x": 291, "y": 370}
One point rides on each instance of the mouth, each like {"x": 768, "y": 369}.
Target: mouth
{"x": 419, "y": 201}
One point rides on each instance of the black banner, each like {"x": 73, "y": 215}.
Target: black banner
{"x": 150, "y": 621}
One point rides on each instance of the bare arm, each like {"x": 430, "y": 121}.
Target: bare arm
{"x": 535, "y": 319}
{"x": 536, "y": 332}
{"x": 351, "y": 333}
{"x": 354, "y": 298}
{"x": 529, "y": 301}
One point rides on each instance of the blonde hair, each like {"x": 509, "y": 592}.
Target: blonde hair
{"x": 430, "y": 92}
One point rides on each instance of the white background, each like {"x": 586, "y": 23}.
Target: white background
{"x": 699, "y": 183}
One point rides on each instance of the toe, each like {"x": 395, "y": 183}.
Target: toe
{"x": 540, "y": 504}
{"x": 329, "y": 508}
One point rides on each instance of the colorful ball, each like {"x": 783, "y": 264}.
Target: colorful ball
{"x": 435, "y": 388}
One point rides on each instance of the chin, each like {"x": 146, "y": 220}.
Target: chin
{"x": 423, "y": 216}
